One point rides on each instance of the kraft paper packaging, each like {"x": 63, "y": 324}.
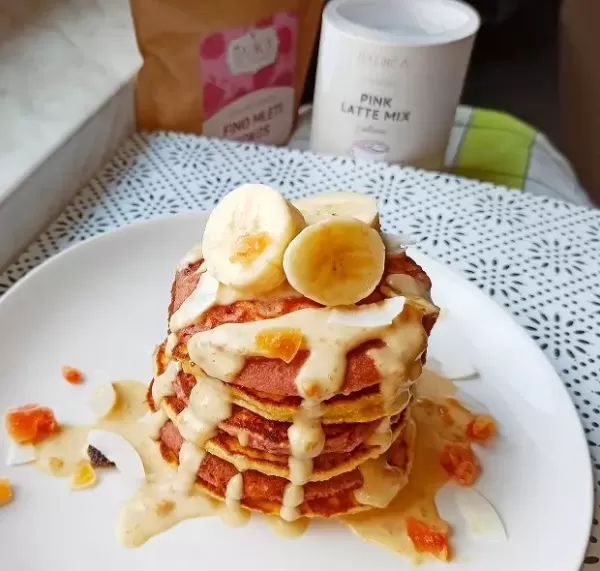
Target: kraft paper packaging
{"x": 232, "y": 69}
{"x": 580, "y": 91}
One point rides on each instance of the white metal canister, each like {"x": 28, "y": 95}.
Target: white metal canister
{"x": 389, "y": 78}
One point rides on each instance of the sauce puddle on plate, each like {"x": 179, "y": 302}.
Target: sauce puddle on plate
{"x": 439, "y": 420}
{"x": 60, "y": 454}
{"x": 156, "y": 506}
{"x": 159, "y": 503}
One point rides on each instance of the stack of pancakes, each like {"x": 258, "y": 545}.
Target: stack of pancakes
{"x": 234, "y": 410}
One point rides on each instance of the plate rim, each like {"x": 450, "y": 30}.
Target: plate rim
{"x": 493, "y": 306}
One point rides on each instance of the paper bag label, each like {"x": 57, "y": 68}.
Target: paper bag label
{"x": 247, "y": 80}
{"x": 252, "y": 51}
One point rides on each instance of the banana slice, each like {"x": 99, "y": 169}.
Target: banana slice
{"x": 337, "y": 261}
{"x": 331, "y": 204}
{"x": 246, "y": 235}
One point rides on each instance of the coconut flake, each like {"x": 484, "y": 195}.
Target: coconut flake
{"x": 163, "y": 384}
{"x": 19, "y": 454}
{"x": 396, "y": 243}
{"x": 102, "y": 399}
{"x": 370, "y": 315}
{"x": 194, "y": 255}
{"x": 480, "y": 516}
{"x": 118, "y": 450}
{"x": 202, "y": 298}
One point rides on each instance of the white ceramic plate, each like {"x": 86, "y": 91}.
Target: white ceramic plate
{"x": 101, "y": 306}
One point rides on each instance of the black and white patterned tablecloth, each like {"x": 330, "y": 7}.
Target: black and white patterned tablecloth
{"x": 537, "y": 257}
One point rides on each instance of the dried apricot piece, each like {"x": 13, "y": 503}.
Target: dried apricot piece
{"x": 72, "y": 375}
{"x": 6, "y": 493}
{"x": 481, "y": 429}
{"x": 461, "y": 463}
{"x": 164, "y": 507}
{"x": 249, "y": 246}
{"x": 427, "y": 540}
{"x": 83, "y": 477}
{"x": 311, "y": 390}
{"x": 55, "y": 465}
{"x": 280, "y": 343}
{"x": 30, "y": 423}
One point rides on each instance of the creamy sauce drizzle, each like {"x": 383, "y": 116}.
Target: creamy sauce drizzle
{"x": 234, "y": 518}
{"x": 209, "y": 404}
{"x": 243, "y": 437}
{"x": 190, "y": 459}
{"x": 307, "y": 440}
{"x": 287, "y": 529}
{"x": 416, "y": 498}
{"x": 165, "y": 499}
{"x": 300, "y": 470}
{"x": 202, "y": 298}
{"x": 163, "y": 383}
{"x": 382, "y": 482}
{"x": 156, "y": 507}
{"x": 293, "y": 496}
{"x": 155, "y": 423}
{"x": 382, "y": 437}
{"x": 234, "y": 491}
{"x": 235, "y": 515}
{"x": 170, "y": 344}
{"x": 222, "y": 351}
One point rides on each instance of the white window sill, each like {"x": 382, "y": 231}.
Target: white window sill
{"x": 65, "y": 103}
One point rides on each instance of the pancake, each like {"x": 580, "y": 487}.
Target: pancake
{"x": 363, "y": 406}
{"x": 312, "y": 426}
{"x": 278, "y": 377}
{"x": 263, "y": 493}
{"x": 272, "y": 436}
{"x": 326, "y": 465}
{"x": 366, "y": 405}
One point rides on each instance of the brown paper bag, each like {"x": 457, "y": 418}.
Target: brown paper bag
{"x": 229, "y": 68}
{"x": 580, "y": 90}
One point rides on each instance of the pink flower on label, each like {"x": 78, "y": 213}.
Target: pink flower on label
{"x": 239, "y": 93}
{"x": 214, "y": 98}
{"x": 285, "y": 40}
{"x": 226, "y": 81}
{"x": 284, "y": 79}
{"x": 263, "y": 77}
{"x": 213, "y": 47}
